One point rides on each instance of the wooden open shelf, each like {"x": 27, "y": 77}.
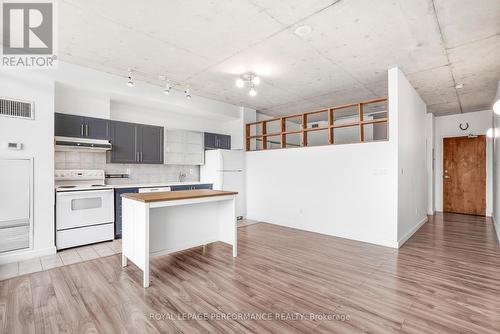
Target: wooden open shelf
{"x": 304, "y": 130}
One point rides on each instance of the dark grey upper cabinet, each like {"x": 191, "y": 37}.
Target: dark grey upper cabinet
{"x": 224, "y": 142}
{"x": 97, "y": 128}
{"x": 124, "y": 142}
{"x": 150, "y": 139}
{"x": 209, "y": 140}
{"x": 69, "y": 125}
{"x": 136, "y": 143}
{"x": 217, "y": 141}
{"x": 81, "y": 127}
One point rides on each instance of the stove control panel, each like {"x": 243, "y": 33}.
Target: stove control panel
{"x": 78, "y": 174}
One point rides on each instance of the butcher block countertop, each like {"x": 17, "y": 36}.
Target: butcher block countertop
{"x": 176, "y": 195}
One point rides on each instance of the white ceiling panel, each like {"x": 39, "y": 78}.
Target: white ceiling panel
{"x": 466, "y": 21}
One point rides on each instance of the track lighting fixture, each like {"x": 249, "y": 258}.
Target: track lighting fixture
{"x": 167, "y": 84}
{"x": 130, "y": 82}
{"x": 248, "y": 79}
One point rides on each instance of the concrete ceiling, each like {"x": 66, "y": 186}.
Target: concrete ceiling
{"x": 207, "y": 44}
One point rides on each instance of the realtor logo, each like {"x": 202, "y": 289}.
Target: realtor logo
{"x": 28, "y": 34}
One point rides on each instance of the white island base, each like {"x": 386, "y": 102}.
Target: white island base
{"x": 162, "y": 223}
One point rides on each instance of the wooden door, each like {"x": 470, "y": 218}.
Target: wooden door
{"x": 464, "y": 175}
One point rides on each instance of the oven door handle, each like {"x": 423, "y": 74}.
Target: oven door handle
{"x": 83, "y": 192}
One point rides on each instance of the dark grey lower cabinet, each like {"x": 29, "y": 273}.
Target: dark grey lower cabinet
{"x": 192, "y": 187}
{"x": 118, "y": 208}
{"x": 217, "y": 141}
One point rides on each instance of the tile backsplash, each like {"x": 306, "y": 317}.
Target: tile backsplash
{"x": 141, "y": 173}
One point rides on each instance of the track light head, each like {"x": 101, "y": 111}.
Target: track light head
{"x": 252, "y": 91}
{"x": 168, "y": 87}
{"x": 130, "y": 81}
{"x": 240, "y": 83}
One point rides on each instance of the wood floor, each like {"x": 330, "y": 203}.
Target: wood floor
{"x": 445, "y": 279}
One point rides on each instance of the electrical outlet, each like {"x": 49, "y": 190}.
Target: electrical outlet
{"x": 191, "y": 171}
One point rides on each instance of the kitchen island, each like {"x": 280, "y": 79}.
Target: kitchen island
{"x": 165, "y": 222}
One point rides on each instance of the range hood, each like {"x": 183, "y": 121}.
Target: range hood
{"x": 81, "y": 144}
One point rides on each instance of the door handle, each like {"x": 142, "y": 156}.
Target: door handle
{"x": 446, "y": 177}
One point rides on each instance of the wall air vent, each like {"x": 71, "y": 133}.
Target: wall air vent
{"x": 17, "y": 108}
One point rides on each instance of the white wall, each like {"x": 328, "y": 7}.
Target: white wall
{"x": 496, "y": 168}
{"x": 373, "y": 192}
{"x": 348, "y": 191}
{"x": 169, "y": 119}
{"x": 37, "y": 139}
{"x": 78, "y": 101}
{"x": 342, "y": 190}
{"x": 411, "y": 153}
{"x": 449, "y": 126}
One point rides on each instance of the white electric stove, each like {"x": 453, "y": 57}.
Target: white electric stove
{"x": 84, "y": 208}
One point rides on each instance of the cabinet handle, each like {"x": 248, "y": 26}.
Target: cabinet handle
{"x": 141, "y": 156}
{"x": 137, "y": 156}
{"x": 86, "y": 130}
{"x": 81, "y": 130}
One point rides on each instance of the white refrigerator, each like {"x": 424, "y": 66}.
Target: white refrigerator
{"x": 226, "y": 171}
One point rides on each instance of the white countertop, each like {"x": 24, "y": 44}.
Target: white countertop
{"x": 160, "y": 184}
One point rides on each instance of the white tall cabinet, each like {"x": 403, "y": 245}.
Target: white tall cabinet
{"x": 15, "y": 204}
{"x": 184, "y": 147}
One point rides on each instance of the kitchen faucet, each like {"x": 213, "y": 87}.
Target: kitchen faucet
{"x": 182, "y": 176}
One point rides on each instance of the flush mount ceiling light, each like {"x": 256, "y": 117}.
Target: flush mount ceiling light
{"x": 459, "y": 86}
{"x": 303, "y": 31}
{"x": 248, "y": 79}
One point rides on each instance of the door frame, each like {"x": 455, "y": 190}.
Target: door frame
{"x": 486, "y": 179}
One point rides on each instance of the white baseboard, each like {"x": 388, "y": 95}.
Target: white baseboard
{"x": 497, "y": 227}
{"x": 411, "y": 232}
{"x": 16, "y": 256}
